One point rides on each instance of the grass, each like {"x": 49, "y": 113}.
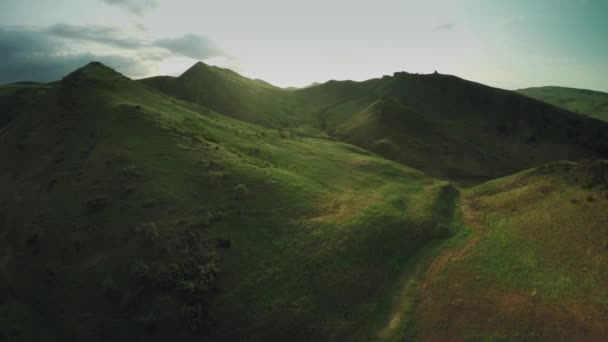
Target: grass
{"x": 134, "y": 215}
{"x": 538, "y": 259}
{"x": 581, "y": 101}
{"x": 118, "y": 175}
{"x": 445, "y": 126}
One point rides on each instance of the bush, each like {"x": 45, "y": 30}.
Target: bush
{"x": 240, "y": 191}
{"x": 148, "y": 230}
{"x": 194, "y": 316}
{"x": 96, "y": 204}
{"x": 110, "y": 289}
{"x": 131, "y": 171}
{"x": 149, "y": 321}
{"x": 140, "y": 271}
{"x": 224, "y": 243}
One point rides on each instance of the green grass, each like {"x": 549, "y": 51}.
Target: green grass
{"x": 318, "y": 246}
{"x": 445, "y": 126}
{"x": 243, "y": 210}
{"x": 540, "y": 250}
{"x": 581, "y": 101}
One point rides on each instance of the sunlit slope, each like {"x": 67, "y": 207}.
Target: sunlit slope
{"x": 534, "y": 266}
{"x": 443, "y": 125}
{"x": 581, "y": 101}
{"x": 231, "y": 94}
{"x": 130, "y": 215}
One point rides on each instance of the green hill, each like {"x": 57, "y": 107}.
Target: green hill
{"x": 229, "y": 93}
{"x": 582, "y": 101}
{"x": 443, "y": 125}
{"x": 534, "y": 266}
{"x": 130, "y": 215}
{"x": 242, "y": 211}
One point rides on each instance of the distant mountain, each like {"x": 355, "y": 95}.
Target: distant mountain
{"x": 473, "y": 132}
{"x": 229, "y": 93}
{"x": 581, "y": 101}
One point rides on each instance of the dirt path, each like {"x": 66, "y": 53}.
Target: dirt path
{"x": 471, "y": 221}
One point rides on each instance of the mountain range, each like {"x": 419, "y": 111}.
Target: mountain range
{"x": 217, "y": 207}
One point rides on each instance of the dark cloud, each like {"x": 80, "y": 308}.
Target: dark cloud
{"x": 191, "y": 45}
{"x": 47, "y": 54}
{"x": 31, "y": 55}
{"x": 444, "y": 27}
{"x": 134, "y": 6}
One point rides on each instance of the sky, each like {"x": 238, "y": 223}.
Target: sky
{"x": 507, "y": 44}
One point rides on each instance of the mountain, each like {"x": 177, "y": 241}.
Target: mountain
{"x": 581, "y": 101}
{"x": 228, "y": 93}
{"x": 130, "y": 215}
{"x": 443, "y": 125}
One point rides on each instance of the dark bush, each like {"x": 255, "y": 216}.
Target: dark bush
{"x": 194, "y": 316}
{"x": 96, "y": 204}
{"x": 140, "y": 272}
{"x": 149, "y": 322}
{"x": 224, "y": 243}
{"x": 110, "y": 289}
{"x": 149, "y": 231}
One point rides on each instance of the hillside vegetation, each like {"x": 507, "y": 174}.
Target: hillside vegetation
{"x": 581, "y": 101}
{"x": 130, "y": 215}
{"x": 214, "y": 207}
{"x": 534, "y": 266}
{"x": 442, "y": 125}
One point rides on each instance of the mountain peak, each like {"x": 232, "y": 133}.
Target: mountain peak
{"x": 197, "y": 70}
{"x": 94, "y": 71}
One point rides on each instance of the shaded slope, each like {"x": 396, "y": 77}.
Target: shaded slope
{"x": 582, "y": 101}
{"x": 535, "y": 265}
{"x": 119, "y": 206}
{"x": 452, "y": 128}
{"x": 474, "y": 132}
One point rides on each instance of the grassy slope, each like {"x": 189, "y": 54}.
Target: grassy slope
{"x": 535, "y": 266}
{"x": 582, "y": 101}
{"x": 104, "y": 175}
{"x": 445, "y": 126}
{"x": 456, "y": 129}
{"x": 231, "y": 94}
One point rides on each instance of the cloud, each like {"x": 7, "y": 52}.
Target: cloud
{"x": 47, "y": 54}
{"x": 137, "y": 7}
{"x": 513, "y": 21}
{"x": 33, "y": 55}
{"x": 191, "y": 45}
{"x": 444, "y": 27}
{"x": 100, "y": 34}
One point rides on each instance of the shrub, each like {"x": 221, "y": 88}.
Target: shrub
{"x": 110, "y": 289}
{"x": 96, "y": 204}
{"x": 200, "y": 222}
{"x": 149, "y": 321}
{"x": 223, "y": 243}
{"x": 140, "y": 271}
{"x": 128, "y": 302}
{"x": 131, "y": 171}
{"x": 148, "y": 230}
{"x": 194, "y": 316}
{"x": 240, "y": 191}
